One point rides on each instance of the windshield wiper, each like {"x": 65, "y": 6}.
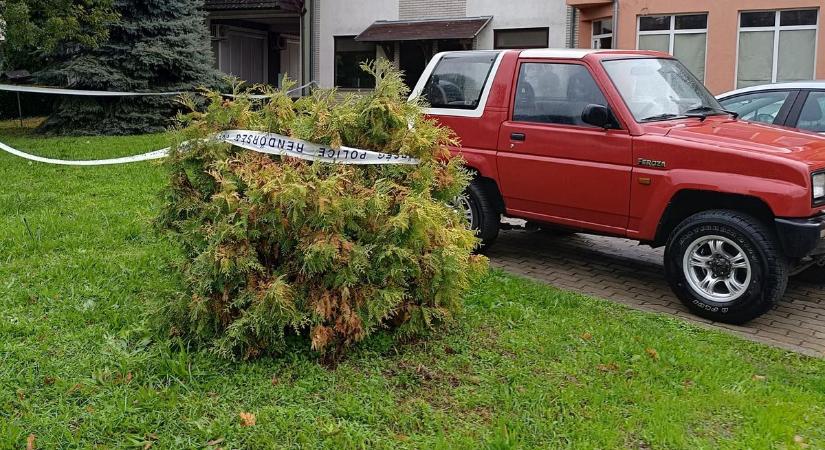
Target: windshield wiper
{"x": 664, "y": 116}
{"x": 705, "y": 111}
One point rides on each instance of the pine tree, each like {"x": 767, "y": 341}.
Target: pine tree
{"x": 154, "y": 46}
{"x": 37, "y": 30}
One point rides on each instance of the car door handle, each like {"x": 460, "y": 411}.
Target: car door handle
{"x": 518, "y": 137}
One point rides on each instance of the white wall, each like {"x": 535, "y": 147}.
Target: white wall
{"x": 431, "y": 9}
{"x": 520, "y": 14}
{"x": 351, "y": 17}
{"x": 347, "y": 18}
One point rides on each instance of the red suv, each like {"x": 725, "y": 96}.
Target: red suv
{"x": 630, "y": 144}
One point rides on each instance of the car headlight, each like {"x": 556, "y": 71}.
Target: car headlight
{"x": 818, "y": 183}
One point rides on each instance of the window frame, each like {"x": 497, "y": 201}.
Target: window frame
{"x": 485, "y": 94}
{"x": 671, "y": 33}
{"x": 335, "y": 53}
{"x": 512, "y": 105}
{"x": 794, "y": 115}
{"x": 498, "y": 31}
{"x": 776, "y": 29}
{"x": 471, "y": 106}
{"x": 598, "y": 37}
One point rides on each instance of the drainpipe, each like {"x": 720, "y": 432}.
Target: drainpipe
{"x": 615, "y": 23}
{"x": 306, "y": 41}
{"x": 311, "y": 52}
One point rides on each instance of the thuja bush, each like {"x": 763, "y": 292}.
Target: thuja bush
{"x": 278, "y": 249}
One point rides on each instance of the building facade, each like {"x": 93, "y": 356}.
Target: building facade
{"x": 325, "y": 40}
{"x": 727, "y": 44}
{"x": 260, "y": 41}
{"x": 409, "y": 32}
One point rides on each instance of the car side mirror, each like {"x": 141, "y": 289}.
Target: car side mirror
{"x": 597, "y": 115}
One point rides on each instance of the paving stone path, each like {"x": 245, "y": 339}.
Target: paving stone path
{"x": 625, "y": 272}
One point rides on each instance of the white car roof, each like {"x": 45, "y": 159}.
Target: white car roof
{"x": 566, "y": 53}
{"x": 815, "y": 84}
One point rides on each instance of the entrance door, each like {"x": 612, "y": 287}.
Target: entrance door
{"x": 291, "y": 59}
{"x": 244, "y": 55}
{"x": 552, "y": 166}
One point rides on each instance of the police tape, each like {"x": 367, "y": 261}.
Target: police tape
{"x": 275, "y": 144}
{"x": 257, "y": 141}
{"x": 79, "y": 92}
{"x": 93, "y": 93}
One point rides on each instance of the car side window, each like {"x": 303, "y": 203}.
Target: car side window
{"x": 758, "y": 106}
{"x": 555, "y": 93}
{"x": 458, "y": 81}
{"x": 812, "y": 117}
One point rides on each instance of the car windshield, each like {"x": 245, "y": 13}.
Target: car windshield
{"x": 660, "y": 89}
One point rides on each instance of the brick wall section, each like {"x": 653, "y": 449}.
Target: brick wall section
{"x": 431, "y": 9}
{"x": 624, "y": 272}
{"x": 571, "y": 35}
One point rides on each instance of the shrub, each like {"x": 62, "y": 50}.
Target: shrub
{"x": 279, "y": 246}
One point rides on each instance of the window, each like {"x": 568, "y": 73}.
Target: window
{"x": 683, "y": 36}
{"x": 458, "y": 80}
{"x": 349, "y": 54}
{"x": 555, "y": 93}
{"x": 603, "y": 33}
{"x": 776, "y": 46}
{"x": 812, "y": 117}
{"x": 758, "y": 106}
{"x": 656, "y": 89}
{"x": 522, "y": 38}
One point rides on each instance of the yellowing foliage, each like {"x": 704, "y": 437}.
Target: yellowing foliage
{"x": 275, "y": 246}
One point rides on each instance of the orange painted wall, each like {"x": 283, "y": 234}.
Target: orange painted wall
{"x": 586, "y": 17}
{"x": 723, "y": 16}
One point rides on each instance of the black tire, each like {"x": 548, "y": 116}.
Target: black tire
{"x": 485, "y": 219}
{"x": 768, "y": 267}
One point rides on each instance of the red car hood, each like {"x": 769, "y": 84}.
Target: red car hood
{"x": 805, "y": 147}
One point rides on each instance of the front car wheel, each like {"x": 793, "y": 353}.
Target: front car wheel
{"x": 717, "y": 268}
{"x": 725, "y": 266}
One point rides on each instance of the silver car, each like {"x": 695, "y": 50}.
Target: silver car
{"x": 796, "y": 105}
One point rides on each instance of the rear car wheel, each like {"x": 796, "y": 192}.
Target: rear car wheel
{"x": 478, "y": 207}
{"x": 725, "y": 266}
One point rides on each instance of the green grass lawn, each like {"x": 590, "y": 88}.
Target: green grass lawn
{"x": 527, "y": 366}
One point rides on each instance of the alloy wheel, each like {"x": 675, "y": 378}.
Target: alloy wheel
{"x": 464, "y": 207}
{"x": 717, "y": 268}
